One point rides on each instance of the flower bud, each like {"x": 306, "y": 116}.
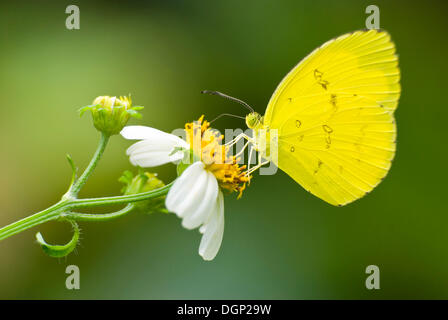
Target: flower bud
{"x": 111, "y": 114}
{"x": 144, "y": 182}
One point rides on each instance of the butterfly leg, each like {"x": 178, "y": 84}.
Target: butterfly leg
{"x": 242, "y": 150}
{"x": 251, "y": 149}
{"x": 238, "y": 138}
{"x": 234, "y": 140}
{"x": 260, "y": 164}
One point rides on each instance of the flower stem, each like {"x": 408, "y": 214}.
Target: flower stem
{"x": 48, "y": 214}
{"x": 95, "y": 202}
{"x": 92, "y": 165}
{"x": 62, "y": 210}
{"x": 100, "y": 217}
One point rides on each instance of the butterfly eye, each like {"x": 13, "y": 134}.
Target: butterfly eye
{"x": 253, "y": 119}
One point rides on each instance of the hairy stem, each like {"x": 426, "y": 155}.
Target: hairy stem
{"x": 62, "y": 210}
{"x": 48, "y": 214}
{"x": 92, "y": 165}
{"x": 96, "y": 202}
{"x": 100, "y": 217}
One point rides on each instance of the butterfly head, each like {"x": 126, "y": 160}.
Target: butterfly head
{"x": 254, "y": 120}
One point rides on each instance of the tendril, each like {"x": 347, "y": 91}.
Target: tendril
{"x": 60, "y": 251}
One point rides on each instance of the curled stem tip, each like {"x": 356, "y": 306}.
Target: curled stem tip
{"x": 59, "y": 251}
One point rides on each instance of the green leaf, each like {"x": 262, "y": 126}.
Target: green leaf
{"x": 59, "y": 251}
{"x": 73, "y": 166}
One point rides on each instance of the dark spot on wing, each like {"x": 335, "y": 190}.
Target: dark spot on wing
{"x": 328, "y": 141}
{"x": 333, "y": 102}
{"x": 318, "y": 76}
{"x": 327, "y": 128}
{"x": 319, "y": 164}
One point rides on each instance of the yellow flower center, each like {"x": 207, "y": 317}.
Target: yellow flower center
{"x": 206, "y": 145}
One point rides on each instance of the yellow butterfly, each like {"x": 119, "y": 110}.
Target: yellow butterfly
{"x": 333, "y": 118}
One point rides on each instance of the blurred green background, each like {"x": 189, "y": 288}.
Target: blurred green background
{"x": 280, "y": 242}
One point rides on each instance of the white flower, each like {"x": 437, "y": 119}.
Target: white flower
{"x": 195, "y": 197}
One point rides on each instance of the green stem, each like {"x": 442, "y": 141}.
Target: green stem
{"x": 95, "y": 202}
{"x": 48, "y": 214}
{"x": 100, "y": 217}
{"x": 63, "y": 209}
{"x": 59, "y": 210}
{"x": 92, "y": 165}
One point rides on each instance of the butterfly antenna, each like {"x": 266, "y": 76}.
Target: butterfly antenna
{"x": 216, "y": 93}
{"x": 229, "y": 115}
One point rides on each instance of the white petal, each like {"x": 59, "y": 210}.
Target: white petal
{"x": 213, "y": 231}
{"x": 147, "y": 154}
{"x": 201, "y": 210}
{"x": 191, "y": 199}
{"x": 146, "y": 133}
{"x": 156, "y": 147}
{"x": 185, "y": 197}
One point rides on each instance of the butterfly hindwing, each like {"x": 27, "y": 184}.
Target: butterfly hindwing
{"x": 344, "y": 154}
{"x": 334, "y": 116}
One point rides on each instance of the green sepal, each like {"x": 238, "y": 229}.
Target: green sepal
{"x": 86, "y": 108}
{"x": 181, "y": 168}
{"x": 126, "y": 179}
{"x": 188, "y": 159}
{"x": 60, "y": 251}
{"x": 134, "y": 113}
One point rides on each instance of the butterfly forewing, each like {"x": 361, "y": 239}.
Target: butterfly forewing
{"x": 334, "y": 116}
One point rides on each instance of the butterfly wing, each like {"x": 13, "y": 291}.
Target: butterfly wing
{"x": 334, "y": 116}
